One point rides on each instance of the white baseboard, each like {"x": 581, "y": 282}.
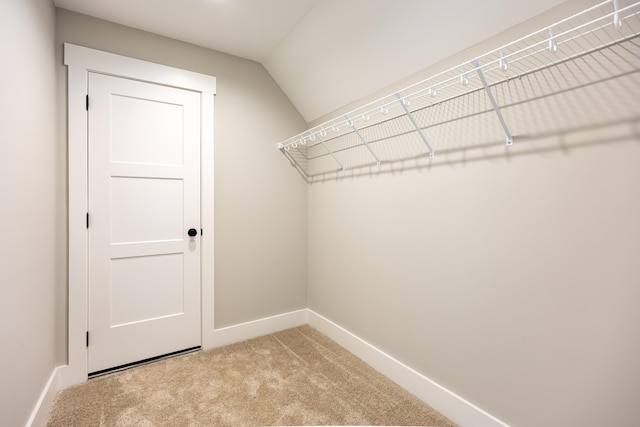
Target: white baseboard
{"x": 41, "y": 411}
{"x": 256, "y": 328}
{"x": 441, "y": 399}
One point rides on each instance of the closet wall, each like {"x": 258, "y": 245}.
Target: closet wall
{"x": 28, "y": 234}
{"x": 508, "y": 275}
{"x": 260, "y": 207}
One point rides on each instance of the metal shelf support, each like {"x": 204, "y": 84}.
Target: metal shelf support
{"x": 330, "y": 152}
{"x": 415, "y": 125}
{"x": 355, "y": 129}
{"x": 487, "y": 89}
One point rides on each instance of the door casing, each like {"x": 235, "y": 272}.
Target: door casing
{"x": 80, "y": 61}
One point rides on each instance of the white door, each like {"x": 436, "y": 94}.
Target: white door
{"x": 144, "y": 196}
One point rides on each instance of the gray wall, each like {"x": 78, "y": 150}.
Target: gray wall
{"x": 28, "y": 234}
{"x": 511, "y": 277}
{"x": 260, "y": 202}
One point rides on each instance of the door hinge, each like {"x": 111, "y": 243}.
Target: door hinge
{"x": 87, "y": 102}
{"x": 87, "y": 338}
{"x": 201, "y": 232}
{"x": 87, "y": 219}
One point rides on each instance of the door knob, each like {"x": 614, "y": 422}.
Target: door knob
{"x": 192, "y": 232}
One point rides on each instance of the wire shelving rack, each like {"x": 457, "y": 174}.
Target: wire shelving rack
{"x": 485, "y": 96}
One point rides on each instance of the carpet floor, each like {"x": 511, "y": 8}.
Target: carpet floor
{"x": 293, "y": 377}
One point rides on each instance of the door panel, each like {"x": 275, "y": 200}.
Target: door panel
{"x": 144, "y": 194}
{"x": 130, "y": 300}
{"x": 145, "y": 209}
{"x": 142, "y": 128}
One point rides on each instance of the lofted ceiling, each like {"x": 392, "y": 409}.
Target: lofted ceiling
{"x": 324, "y": 54}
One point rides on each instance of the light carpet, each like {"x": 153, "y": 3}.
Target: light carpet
{"x": 293, "y": 377}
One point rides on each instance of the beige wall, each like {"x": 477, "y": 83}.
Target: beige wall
{"x": 260, "y": 202}
{"x": 511, "y": 277}
{"x": 28, "y": 170}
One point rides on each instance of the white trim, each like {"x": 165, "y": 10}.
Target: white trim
{"x": 206, "y": 223}
{"x": 80, "y": 62}
{"x": 441, "y": 399}
{"x": 40, "y": 412}
{"x": 77, "y": 160}
{"x": 131, "y": 68}
{"x": 256, "y": 328}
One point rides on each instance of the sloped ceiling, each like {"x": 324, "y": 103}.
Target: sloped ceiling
{"x": 324, "y": 54}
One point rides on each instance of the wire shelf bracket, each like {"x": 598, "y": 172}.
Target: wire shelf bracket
{"x": 487, "y": 89}
{"x": 404, "y": 105}
{"x": 324, "y": 144}
{"x": 352, "y": 125}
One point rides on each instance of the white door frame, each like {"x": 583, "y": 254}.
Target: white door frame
{"x": 80, "y": 61}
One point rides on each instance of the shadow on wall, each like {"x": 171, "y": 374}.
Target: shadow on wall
{"x": 541, "y": 143}
{"x": 580, "y": 102}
